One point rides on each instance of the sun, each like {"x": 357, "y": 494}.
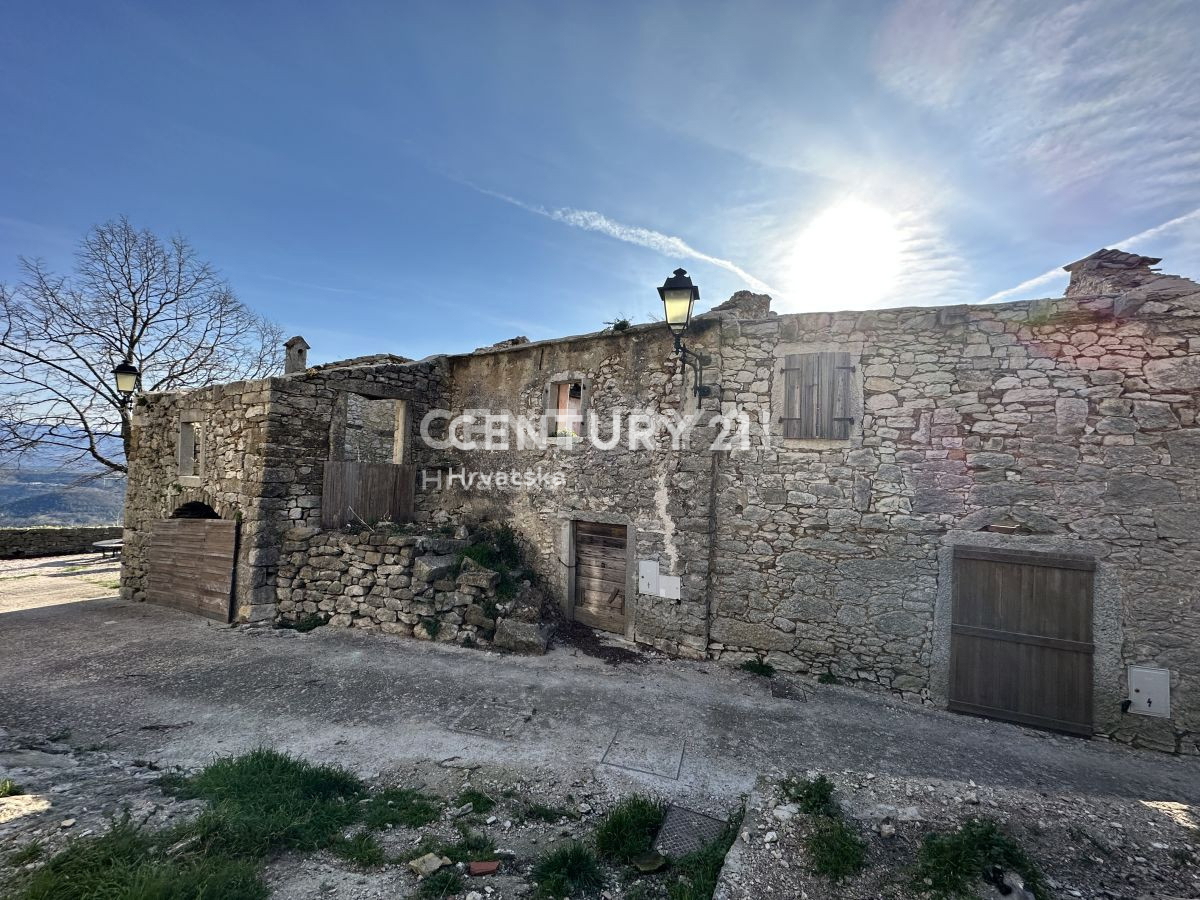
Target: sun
{"x": 848, "y": 257}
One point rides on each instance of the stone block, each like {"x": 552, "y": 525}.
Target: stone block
{"x": 522, "y": 637}
{"x": 432, "y": 568}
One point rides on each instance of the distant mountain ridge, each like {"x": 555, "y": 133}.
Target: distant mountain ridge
{"x": 49, "y": 486}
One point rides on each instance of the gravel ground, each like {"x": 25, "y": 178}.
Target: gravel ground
{"x": 1087, "y": 846}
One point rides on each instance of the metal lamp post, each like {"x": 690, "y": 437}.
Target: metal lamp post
{"x": 679, "y": 295}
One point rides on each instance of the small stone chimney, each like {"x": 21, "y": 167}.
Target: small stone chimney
{"x": 1109, "y": 272}
{"x": 297, "y": 355}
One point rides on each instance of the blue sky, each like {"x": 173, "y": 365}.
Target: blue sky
{"x": 421, "y": 177}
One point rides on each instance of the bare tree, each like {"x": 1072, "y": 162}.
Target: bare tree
{"x": 131, "y": 298}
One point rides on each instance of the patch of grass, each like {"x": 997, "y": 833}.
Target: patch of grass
{"x": 432, "y": 626}
{"x": 813, "y": 795}
{"x": 9, "y": 788}
{"x": 950, "y": 865}
{"x": 835, "y": 850}
{"x": 362, "y": 849}
{"x": 569, "y": 871}
{"x": 540, "y": 812}
{"x": 758, "y": 667}
{"x": 304, "y": 624}
{"x": 265, "y": 800}
{"x": 128, "y": 863}
{"x": 27, "y": 854}
{"x": 629, "y": 828}
{"x": 59, "y": 736}
{"x": 827, "y": 678}
{"x": 471, "y": 846}
{"x": 442, "y": 883}
{"x": 400, "y": 806}
{"x": 480, "y": 802}
{"x": 694, "y": 877}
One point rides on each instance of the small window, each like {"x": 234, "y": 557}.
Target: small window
{"x": 191, "y": 449}
{"x": 817, "y": 396}
{"x": 567, "y": 414}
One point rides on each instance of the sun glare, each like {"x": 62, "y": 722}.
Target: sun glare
{"x": 848, "y": 257}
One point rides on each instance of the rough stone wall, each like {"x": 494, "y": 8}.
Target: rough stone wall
{"x": 394, "y": 583}
{"x": 19, "y": 543}
{"x": 1074, "y": 420}
{"x": 265, "y": 444}
{"x": 663, "y": 496}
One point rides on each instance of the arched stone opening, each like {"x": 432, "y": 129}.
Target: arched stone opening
{"x": 195, "y": 509}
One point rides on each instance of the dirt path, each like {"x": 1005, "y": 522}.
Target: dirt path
{"x": 153, "y": 684}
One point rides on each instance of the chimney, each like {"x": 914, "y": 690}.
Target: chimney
{"x": 1109, "y": 272}
{"x": 297, "y": 355}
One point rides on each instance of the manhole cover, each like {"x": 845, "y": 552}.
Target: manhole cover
{"x": 685, "y": 831}
{"x": 660, "y": 755}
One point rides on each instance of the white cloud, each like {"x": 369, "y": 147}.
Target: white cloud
{"x": 667, "y": 245}
{"x": 1094, "y": 101}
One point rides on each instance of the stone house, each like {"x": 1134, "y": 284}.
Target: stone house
{"x": 984, "y": 507}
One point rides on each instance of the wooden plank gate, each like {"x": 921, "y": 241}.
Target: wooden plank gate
{"x": 366, "y": 492}
{"x": 1021, "y": 637}
{"x": 601, "y": 567}
{"x": 191, "y": 564}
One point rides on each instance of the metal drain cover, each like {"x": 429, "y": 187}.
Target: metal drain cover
{"x": 685, "y": 831}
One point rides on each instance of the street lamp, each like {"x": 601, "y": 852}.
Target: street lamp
{"x": 126, "y": 375}
{"x": 679, "y": 295}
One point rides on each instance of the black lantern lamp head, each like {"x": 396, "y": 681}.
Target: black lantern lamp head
{"x": 126, "y": 375}
{"x": 678, "y": 295}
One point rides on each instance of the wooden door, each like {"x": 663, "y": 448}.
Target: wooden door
{"x": 190, "y": 566}
{"x": 1021, "y": 638}
{"x": 601, "y": 568}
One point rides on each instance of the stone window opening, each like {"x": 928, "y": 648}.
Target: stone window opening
{"x": 565, "y": 409}
{"x": 191, "y": 447}
{"x": 372, "y": 429}
{"x": 818, "y": 396}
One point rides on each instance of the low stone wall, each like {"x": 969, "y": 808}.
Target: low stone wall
{"x": 405, "y": 584}
{"x": 19, "y": 543}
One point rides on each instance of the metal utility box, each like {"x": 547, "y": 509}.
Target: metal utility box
{"x": 1150, "y": 691}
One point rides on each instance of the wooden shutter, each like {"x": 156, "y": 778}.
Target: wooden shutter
{"x": 817, "y": 395}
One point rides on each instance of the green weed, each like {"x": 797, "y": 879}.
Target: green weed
{"x": 629, "y": 828}
{"x": 950, "y": 865}
{"x": 569, "y": 871}
{"x": 480, "y": 802}
{"x": 758, "y": 667}
{"x": 27, "y": 854}
{"x": 813, "y": 795}
{"x": 362, "y": 849}
{"x": 400, "y": 806}
{"x": 304, "y": 624}
{"x": 443, "y": 883}
{"x": 835, "y": 850}
{"x": 9, "y": 788}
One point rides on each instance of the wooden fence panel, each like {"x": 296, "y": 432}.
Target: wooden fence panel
{"x": 191, "y": 566}
{"x": 367, "y": 492}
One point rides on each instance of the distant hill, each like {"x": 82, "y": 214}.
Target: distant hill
{"x": 58, "y": 497}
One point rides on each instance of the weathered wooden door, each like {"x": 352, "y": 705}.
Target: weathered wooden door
{"x": 190, "y": 566}
{"x": 1021, "y": 637}
{"x": 601, "y": 568}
